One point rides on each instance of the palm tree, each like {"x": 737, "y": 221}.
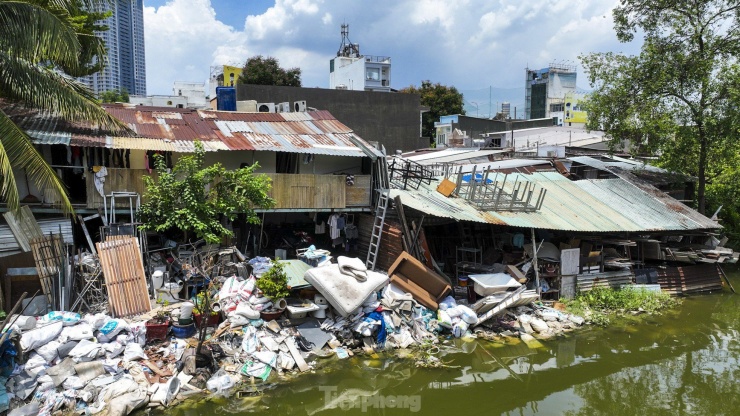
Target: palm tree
{"x": 38, "y": 47}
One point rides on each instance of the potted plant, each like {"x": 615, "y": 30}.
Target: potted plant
{"x": 156, "y": 328}
{"x": 202, "y": 305}
{"x": 274, "y": 285}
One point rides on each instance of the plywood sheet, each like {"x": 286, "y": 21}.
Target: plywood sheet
{"x": 123, "y": 270}
{"x": 24, "y": 227}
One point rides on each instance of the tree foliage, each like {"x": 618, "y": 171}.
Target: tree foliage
{"x": 677, "y": 97}
{"x": 441, "y": 100}
{"x": 114, "y": 96}
{"x": 261, "y": 70}
{"x": 194, "y": 198}
{"x": 39, "y": 45}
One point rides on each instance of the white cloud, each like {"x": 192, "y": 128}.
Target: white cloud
{"x": 471, "y": 44}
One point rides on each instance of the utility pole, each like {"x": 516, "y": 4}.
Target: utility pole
{"x": 489, "y": 102}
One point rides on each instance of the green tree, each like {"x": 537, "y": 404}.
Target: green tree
{"x": 261, "y": 70}
{"x": 114, "y": 96}
{"x": 676, "y": 96}
{"x": 194, "y": 198}
{"x": 38, "y": 42}
{"x": 441, "y": 100}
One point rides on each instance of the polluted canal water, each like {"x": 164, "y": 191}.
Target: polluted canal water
{"x": 685, "y": 361}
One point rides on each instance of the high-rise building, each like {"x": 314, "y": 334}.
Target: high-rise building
{"x": 545, "y": 90}
{"x": 126, "y": 68}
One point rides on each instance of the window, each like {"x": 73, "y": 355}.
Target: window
{"x": 373, "y": 74}
{"x": 556, "y": 107}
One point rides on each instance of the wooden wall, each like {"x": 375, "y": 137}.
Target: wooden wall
{"x": 118, "y": 179}
{"x": 289, "y": 190}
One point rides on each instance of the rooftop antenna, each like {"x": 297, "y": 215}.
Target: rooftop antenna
{"x": 347, "y": 48}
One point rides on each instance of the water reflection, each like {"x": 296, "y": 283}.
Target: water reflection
{"x": 684, "y": 362}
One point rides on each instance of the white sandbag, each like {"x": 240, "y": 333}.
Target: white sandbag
{"x": 67, "y": 318}
{"x": 138, "y": 333}
{"x": 97, "y": 320}
{"x": 37, "y": 337}
{"x": 236, "y": 321}
{"x": 133, "y": 352}
{"x": 85, "y": 350}
{"x": 24, "y": 323}
{"x": 467, "y": 315}
{"x": 458, "y": 330}
{"x": 267, "y": 357}
{"x": 343, "y": 292}
{"x": 76, "y": 333}
{"x": 73, "y": 383}
{"x": 48, "y": 351}
{"x": 250, "y": 342}
{"x": 245, "y": 309}
{"x": 258, "y": 300}
{"x": 113, "y": 349}
{"x": 35, "y": 361}
{"x": 110, "y": 329}
{"x": 263, "y": 306}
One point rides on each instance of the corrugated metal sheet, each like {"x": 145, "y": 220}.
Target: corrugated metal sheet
{"x": 690, "y": 279}
{"x": 606, "y": 205}
{"x": 175, "y": 129}
{"x": 614, "y": 280}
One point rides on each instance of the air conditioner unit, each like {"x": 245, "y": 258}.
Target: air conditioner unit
{"x": 283, "y": 107}
{"x": 552, "y": 153}
{"x": 299, "y": 106}
{"x": 265, "y": 107}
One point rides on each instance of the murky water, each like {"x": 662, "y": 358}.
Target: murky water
{"x": 683, "y": 362}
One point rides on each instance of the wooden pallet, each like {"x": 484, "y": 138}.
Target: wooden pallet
{"x": 123, "y": 270}
{"x": 48, "y": 254}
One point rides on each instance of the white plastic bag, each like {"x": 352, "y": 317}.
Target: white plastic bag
{"x": 220, "y": 382}
{"x": 250, "y": 342}
{"x": 467, "y": 315}
{"x": 97, "y": 320}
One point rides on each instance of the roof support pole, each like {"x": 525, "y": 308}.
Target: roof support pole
{"x": 534, "y": 265}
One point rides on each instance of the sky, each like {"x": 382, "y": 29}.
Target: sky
{"x": 481, "y": 47}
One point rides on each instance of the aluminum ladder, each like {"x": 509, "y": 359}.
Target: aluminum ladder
{"x": 380, "y": 210}
{"x": 508, "y": 301}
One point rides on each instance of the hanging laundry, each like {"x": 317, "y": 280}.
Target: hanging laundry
{"x": 333, "y": 229}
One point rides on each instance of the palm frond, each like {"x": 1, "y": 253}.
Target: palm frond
{"x": 45, "y": 89}
{"x": 16, "y": 150}
{"x": 37, "y": 34}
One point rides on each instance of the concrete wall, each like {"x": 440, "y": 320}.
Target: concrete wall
{"x": 391, "y": 119}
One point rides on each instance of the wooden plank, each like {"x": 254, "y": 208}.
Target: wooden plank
{"x": 117, "y": 180}
{"x": 300, "y": 362}
{"x": 23, "y": 226}
{"x": 123, "y": 271}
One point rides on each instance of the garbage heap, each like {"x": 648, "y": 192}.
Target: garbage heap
{"x": 102, "y": 365}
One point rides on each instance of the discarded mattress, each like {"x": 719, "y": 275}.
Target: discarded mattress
{"x": 488, "y": 284}
{"x": 345, "y": 293}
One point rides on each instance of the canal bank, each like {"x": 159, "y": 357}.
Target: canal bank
{"x": 684, "y": 361}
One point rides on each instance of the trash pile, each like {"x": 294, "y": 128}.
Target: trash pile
{"x": 245, "y": 326}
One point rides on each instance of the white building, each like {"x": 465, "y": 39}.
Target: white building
{"x": 352, "y": 71}
{"x": 545, "y": 91}
{"x": 184, "y": 95}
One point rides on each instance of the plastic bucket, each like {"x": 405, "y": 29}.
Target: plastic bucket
{"x": 462, "y": 281}
{"x": 183, "y": 331}
{"x": 186, "y": 310}
{"x": 157, "y": 279}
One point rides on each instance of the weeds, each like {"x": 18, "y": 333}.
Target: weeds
{"x": 599, "y": 304}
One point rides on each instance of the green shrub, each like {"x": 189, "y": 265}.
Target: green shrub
{"x": 597, "y": 304}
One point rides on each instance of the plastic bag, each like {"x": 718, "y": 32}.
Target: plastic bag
{"x": 467, "y": 315}
{"x": 97, "y": 320}
{"x": 443, "y": 319}
{"x": 447, "y": 303}
{"x": 220, "y": 382}
{"x": 250, "y": 342}
{"x": 245, "y": 309}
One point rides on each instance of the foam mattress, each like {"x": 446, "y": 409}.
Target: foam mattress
{"x": 343, "y": 292}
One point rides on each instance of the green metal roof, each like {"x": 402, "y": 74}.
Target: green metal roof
{"x": 604, "y": 205}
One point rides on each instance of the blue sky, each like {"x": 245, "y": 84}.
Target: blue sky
{"x": 479, "y": 46}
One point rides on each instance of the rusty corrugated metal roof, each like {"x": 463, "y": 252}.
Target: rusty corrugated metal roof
{"x": 604, "y": 205}
{"x": 175, "y": 129}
